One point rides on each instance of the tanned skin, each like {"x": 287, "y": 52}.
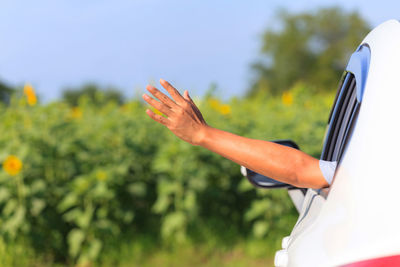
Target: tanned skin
{"x": 279, "y": 162}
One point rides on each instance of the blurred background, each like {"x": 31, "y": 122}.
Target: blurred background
{"x": 87, "y": 179}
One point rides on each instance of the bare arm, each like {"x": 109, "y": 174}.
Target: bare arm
{"x": 279, "y": 162}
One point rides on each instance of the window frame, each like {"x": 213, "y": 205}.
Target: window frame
{"x": 349, "y": 94}
{"x": 341, "y": 121}
{"x": 341, "y": 118}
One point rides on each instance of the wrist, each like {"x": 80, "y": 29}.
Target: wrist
{"x": 203, "y": 135}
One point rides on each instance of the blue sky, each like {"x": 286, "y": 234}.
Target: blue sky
{"x": 57, "y": 44}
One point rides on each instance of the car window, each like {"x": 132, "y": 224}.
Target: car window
{"x": 346, "y": 105}
{"x": 351, "y": 121}
{"x": 343, "y": 115}
{"x": 341, "y": 122}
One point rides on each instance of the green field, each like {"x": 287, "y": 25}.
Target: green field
{"x": 102, "y": 185}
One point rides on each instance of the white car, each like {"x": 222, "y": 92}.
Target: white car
{"x": 356, "y": 221}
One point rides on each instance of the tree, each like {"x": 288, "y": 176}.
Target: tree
{"x": 5, "y": 92}
{"x": 312, "y": 47}
{"x": 96, "y": 95}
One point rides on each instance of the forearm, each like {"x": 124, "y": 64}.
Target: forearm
{"x": 282, "y": 163}
{"x": 279, "y": 162}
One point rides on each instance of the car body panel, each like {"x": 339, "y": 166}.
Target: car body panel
{"x": 359, "y": 65}
{"x": 359, "y": 218}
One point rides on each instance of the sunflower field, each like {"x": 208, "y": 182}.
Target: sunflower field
{"x": 76, "y": 182}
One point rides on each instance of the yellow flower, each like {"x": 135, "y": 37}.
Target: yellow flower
{"x": 76, "y": 113}
{"x": 29, "y": 92}
{"x": 287, "y": 98}
{"x": 214, "y": 103}
{"x": 225, "y": 109}
{"x": 12, "y": 165}
{"x": 101, "y": 175}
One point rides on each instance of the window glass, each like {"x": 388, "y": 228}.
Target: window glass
{"x": 340, "y": 119}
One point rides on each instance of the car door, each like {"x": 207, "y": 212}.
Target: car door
{"x": 341, "y": 122}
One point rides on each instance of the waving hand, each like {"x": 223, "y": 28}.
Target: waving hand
{"x": 183, "y": 117}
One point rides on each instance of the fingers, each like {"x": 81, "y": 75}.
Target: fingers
{"x": 189, "y": 99}
{"x": 173, "y": 92}
{"x": 158, "y": 105}
{"x": 187, "y": 96}
{"x": 157, "y": 118}
{"x": 162, "y": 97}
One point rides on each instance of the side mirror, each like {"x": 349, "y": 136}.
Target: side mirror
{"x": 262, "y": 181}
{"x": 296, "y": 194}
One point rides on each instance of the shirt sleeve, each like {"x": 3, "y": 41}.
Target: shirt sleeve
{"x": 328, "y": 169}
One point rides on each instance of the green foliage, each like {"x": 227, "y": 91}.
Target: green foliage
{"x": 5, "y": 92}
{"x": 312, "y": 47}
{"x": 96, "y": 95}
{"x": 94, "y": 176}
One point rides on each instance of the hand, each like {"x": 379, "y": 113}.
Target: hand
{"x": 183, "y": 117}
